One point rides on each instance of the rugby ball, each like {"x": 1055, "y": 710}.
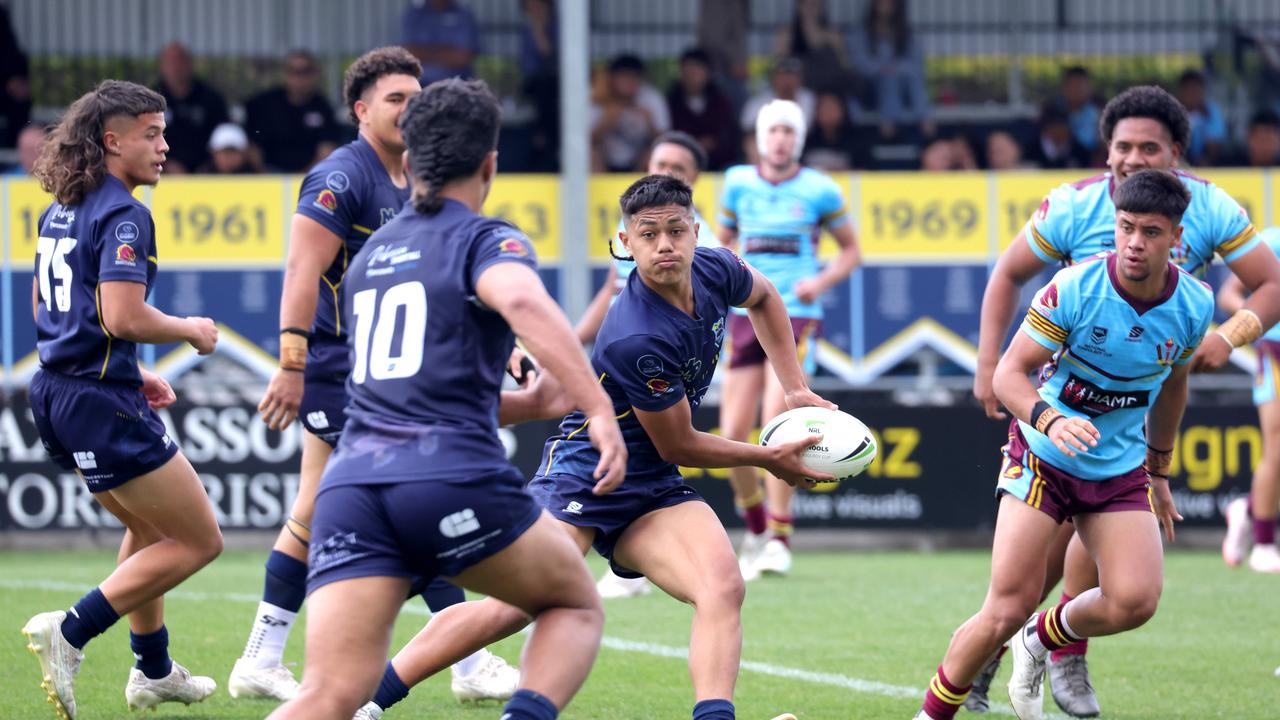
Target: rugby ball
{"x": 847, "y": 446}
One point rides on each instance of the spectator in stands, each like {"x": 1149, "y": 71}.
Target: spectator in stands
{"x": 722, "y": 32}
{"x": 785, "y": 83}
{"x": 194, "y": 110}
{"x": 539, "y": 71}
{"x": 818, "y": 46}
{"x": 885, "y": 51}
{"x": 1004, "y": 152}
{"x": 443, "y": 35}
{"x": 1262, "y": 144}
{"x": 292, "y": 125}
{"x": 948, "y": 155}
{"x": 1056, "y": 147}
{"x": 30, "y": 140}
{"x": 700, "y": 108}
{"x": 15, "y": 88}
{"x": 1208, "y": 129}
{"x": 229, "y": 152}
{"x": 628, "y": 115}
{"x": 833, "y": 143}
{"x": 1076, "y": 99}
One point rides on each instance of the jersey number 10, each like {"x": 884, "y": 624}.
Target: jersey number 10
{"x": 51, "y": 255}
{"x": 375, "y": 331}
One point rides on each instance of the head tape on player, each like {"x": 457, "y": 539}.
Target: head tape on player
{"x": 780, "y": 112}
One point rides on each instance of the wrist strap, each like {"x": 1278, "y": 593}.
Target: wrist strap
{"x": 1241, "y": 329}
{"x": 1159, "y": 462}
{"x": 293, "y": 350}
{"x": 302, "y": 332}
{"x": 1043, "y": 416}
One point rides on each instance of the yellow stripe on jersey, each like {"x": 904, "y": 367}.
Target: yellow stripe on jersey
{"x": 97, "y": 298}
{"x": 834, "y": 215}
{"x": 1186, "y": 354}
{"x": 361, "y": 228}
{"x": 1043, "y": 244}
{"x": 1046, "y": 327}
{"x": 551, "y": 454}
{"x": 1229, "y": 246}
{"x": 1037, "y": 482}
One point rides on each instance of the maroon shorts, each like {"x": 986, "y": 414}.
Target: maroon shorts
{"x": 1061, "y": 495}
{"x": 745, "y": 349}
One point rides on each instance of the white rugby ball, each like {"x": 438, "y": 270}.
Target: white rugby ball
{"x": 847, "y": 446}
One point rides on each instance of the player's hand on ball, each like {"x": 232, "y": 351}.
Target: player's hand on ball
{"x": 1162, "y": 503}
{"x": 788, "y": 465}
{"x": 203, "y": 334}
{"x": 606, "y": 437}
{"x": 985, "y": 392}
{"x": 279, "y": 406}
{"x": 805, "y": 397}
{"x": 1213, "y": 353}
{"x": 1072, "y": 434}
{"x": 158, "y": 392}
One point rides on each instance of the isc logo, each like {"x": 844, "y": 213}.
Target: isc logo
{"x": 85, "y": 460}
{"x": 459, "y": 523}
{"x": 317, "y": 419}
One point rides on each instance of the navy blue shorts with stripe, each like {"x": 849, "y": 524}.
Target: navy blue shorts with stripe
{"x": 323, "y": 411}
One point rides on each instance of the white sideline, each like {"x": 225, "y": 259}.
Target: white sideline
{"x": 868, "y": 687}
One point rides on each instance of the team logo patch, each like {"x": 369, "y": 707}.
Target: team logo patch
{"x": 337, "y": 181}
{"x": 459, "y": 523}
{"x": 690, "y": 369}
{"x": 126, "y": 232}
{"x": 1166, "y": 354}
{"x": 1099, "y": 335}
{"x": 125, "y": 255}
{"x": 649, "y": 365}
{"x": 1049, "y": 298}
{"x": 386, "y": 215}
{"x": 512, "y": 246}
{"x": 327, "y": 201}
{"x": 718, "y": 328}
{"x": 1135, "y": 332}
{"x": 1043, "y": 212}
{"x": 658, "y": 386}
{"x": 1083, "y": 396}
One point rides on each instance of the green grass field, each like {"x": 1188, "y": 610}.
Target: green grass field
{"x": 849, "y": 635}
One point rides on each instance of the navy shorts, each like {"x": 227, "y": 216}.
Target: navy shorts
{"x": 323, "y": 411}
{"x": 105, "y": 430}
{"x": 569, "y": 499}
{"x": 418, "y": 529}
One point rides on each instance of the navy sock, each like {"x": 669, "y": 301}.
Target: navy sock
{"x": 88, "y": 619}
{"x": 529, "y": 705}
{"x": 713, "y": 710}
{"x": 391, "y": 690}
{"x": 152, "y": 653}
{"x": 286, "y": 583}
{"x": 441, "y": 594}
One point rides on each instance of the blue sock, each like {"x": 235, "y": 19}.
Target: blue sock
{"x": 286, "y": 583}
{"x": 391, "y": 690}
{"x": 88, "y": 619}
{"x": 440, "y": 594}
{"x": 529, "y": 705}
{"x": 152, "y": 653}
{"x": 713, "y": 710}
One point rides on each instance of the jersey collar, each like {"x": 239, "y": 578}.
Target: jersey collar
{"x": 1142, "y": 306}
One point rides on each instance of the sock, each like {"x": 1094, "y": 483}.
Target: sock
{"x": 152, "y": 653}
{"x": 1000, "y": 653}
{"x": 468, "y": 666}
{"x": 781, "y": 528}
{"x": 1052, "y": 632}
{"x": 1077, "y": 647}
{"x": 88, "y": 618}
{"x": 441, "y": 594}
{"x": 1264, "y": 531}
{"x": 391, "y": 690}
{"x": 943, "y": 699}
{"x": 713, "y": 710}
{"x": 529, "y": 705}
{"x": 752, "y": 510}
{"x": 284, "y": 589}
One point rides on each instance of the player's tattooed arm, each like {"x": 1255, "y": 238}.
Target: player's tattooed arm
{"x": 1016, "y": 266}
{"x": 1013, "y": 387}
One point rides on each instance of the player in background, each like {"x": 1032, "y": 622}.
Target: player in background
{"x": 1112, "y": 338}
{"x": 655, "y": 355}
{"x": 774, "y": 213}
{"x": 679, "y": 155}
{"x": 95, "y": 406}
{"x": 1254, "y": 518}
{"x": 1142, "y": 127}
{"x": 347, "y": 196}
{"x": 424, "y": 411}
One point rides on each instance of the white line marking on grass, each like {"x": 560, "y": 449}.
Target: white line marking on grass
{"x": 868, "y": 687}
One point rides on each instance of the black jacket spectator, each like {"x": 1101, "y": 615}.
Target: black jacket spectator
{"x": 292, "y": 125}
{"x": 699, "y": 108}
{"x": 15, "y": 89}
{"x": 195, "y": 109}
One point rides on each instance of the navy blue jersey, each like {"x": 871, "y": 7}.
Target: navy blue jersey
{"x": 427, "y": 357}
{"x": 650, "y": 355}
{"x": 108, "y": 237}
{"x": 351, "y": 194}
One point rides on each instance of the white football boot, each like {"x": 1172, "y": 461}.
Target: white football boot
{"x": 1264, "y": 559}
{"x": 1026, "y": 685}
{"x": 370, "y": 711}
{"x": 493, "y": 680}
{"x": 272, "y": 683}
{"x": 775, "y": 559}
{"x": 612, "y": 586}
{"x": 59, "y": 661}
{"x": 749, "y": 552}
{"x": 143, "y": 693}
{"x": 1236, "y": 542}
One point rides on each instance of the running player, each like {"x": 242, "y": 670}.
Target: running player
{"x": 680, "y": 156}
{"x": 419, "y": 484}
{"x": 357, "y": 189}
{"x": 655, "y": 354}
{"x": 1143, "y": 127}
{"x": 1257, "y": 513}
{"x": 95, "y": 406}
{"x": 1113, "y": 338}
{"x": 774, "y": 213}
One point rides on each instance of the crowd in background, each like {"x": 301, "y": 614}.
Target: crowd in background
{"x": 863, "y": 92}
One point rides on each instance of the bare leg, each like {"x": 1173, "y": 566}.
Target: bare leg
{"x": 739, "y": 399}
{"x": 1130, "y": 560}
{"x": 297, "y": 526}
{"x": 1057, "y": 557}
{"x": 1265, "y": 490}
{"x": 779, "y": 492}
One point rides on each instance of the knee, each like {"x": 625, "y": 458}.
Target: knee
{"x": 1006, "y": 615}
{"x": 209, "y": 547}
{"x": 725, "y": 593}
{"x": 1132, "y": 610}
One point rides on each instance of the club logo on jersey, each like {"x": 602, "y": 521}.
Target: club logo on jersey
{"x": 459, "y": 523}
{"x": 126, "y": 232}
{"x": 649, "y": 365}
{"x": 386, "y": 215}
{"x": 512, "y": 246}
{"x": 1083, "y": 396}
{"x": 337, "y": 181}
{"x": 1135, "y": 333}
{"x": 718, "y": 328}
{"x": 690, "y": 369}
{"x": 126, "y": 256}
{"x": 1043, "y": 212}
{"x": 658, "y": 386}
{"x": 317, "y": 419}
{"x": 1099, "y": 335}
{"x": 327, "y": 201}
{"x": 1049, "y": 298}
{"x": 1167, "y": 354}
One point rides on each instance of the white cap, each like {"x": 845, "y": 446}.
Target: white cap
{"x": 780, "y": 112}
{"x": 228, "y": 136}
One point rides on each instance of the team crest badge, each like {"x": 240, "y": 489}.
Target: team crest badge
{"x": 1166, "y": 354}
{"x": 658, "y": 386}
{"x": 125, "y": 254}
{"x": 327, "y": 201}
{"x": 1099, "y": 335}
{"x": 512, "y": 246}
{"x": 1049, "y": 298}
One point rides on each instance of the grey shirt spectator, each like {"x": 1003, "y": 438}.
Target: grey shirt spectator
{"x": 444, "y": 37}
{"x": 885, "y": 51}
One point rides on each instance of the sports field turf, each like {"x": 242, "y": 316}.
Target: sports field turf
{"x": 848, "y": 635}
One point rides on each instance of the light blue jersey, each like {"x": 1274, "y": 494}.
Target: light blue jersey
{"x": 623, "y": 268}
{"x": 778, "y": 226}
{"x": 1271, "y": 236}
{"x": 1079, "y": 220}
{"x": 1113, "y": 351}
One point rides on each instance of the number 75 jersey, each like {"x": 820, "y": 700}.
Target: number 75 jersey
{"x": 427, "y": 357}
{"x": 108, "y": 237}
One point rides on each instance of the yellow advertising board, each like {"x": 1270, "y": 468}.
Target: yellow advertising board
{"x": 918, "y": 216}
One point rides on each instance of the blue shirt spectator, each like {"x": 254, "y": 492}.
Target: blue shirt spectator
{"x": 1208, "y": 128}
{"x": 885, "y": 51}
{"x": 444, "y": 37}
{"x": 538, "y": 39}
{"x": 1075, "y": 98}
